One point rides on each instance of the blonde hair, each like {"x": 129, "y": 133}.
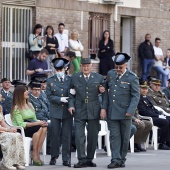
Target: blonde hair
{"x": 74, "y": 31}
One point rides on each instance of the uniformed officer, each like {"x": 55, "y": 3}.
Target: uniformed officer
{"x": 146, "y": 108}
{"x": 85, "y": 107}
{"x": 18, "y": 83}
{"x": 143, "y": 126}
{"x": 123, "y": 87}
{"x": 157, "y": 97}
{"x": 7, "y": 95}
{"x": 57, "y": 93}
{"x": 167, "y": 90}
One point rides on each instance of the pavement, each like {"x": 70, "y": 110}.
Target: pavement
{"x": 150, "y": 160}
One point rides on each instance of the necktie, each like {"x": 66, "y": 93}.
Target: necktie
{"x": 61, "y": 80}
{"x": 118, "y": 77}
{"x": 86, "y": 78}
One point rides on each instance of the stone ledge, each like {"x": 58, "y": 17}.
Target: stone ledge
{"x": 96, "y": 61}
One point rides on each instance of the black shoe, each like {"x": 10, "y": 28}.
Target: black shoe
{"x": 91, "y": 164}
{"x": 66, "y": 163}
{"x": 163, "y": 147}
{"x": 113, "y": 165}
{"x": 53, "y": 161}
{"x": 80, "y": 165}
{"x": 122, "y": 165}
{"x": 105, "y": 149}
{"x": 136, "y": 150}
{"x": 138, "y": 147}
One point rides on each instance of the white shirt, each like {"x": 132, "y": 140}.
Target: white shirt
{"x": 59, "y": 78}
{"x": 74, "y": 46}
{"x": 62, "y": 41}
{"x": 159, "y": 54}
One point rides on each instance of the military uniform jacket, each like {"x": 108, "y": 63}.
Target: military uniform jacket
{"x": 159, "y": 99}
{"x": 7, "y": 101}
{"x": 123, "y": 94}
{"x": 167, "y": 92}
{"x": 41, "y": 109}
{"x": 44, "y": 98}
{"x": 86, "y": 100}
{"x": 55, "y": 90}
{"x": 146, "y": 108}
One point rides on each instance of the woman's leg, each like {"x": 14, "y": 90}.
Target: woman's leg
{"x": 79, "y": 60}
{"x": 41, "y": 140}
{"x": 76, "y": 65}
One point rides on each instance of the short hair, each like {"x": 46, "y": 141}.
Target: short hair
{"x": 61, "y": 24}
{"x": 49, "y": 26}
{"x": 36, "y": 27}
{"x": 168, "y": 49}
{"x": 44, "y": 51}
{"x": 156, "y": 39}
{"x": 71, "y": 54}
{"x": 147, "y": 35}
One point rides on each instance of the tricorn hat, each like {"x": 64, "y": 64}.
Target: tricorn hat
{"x": 121, "y": 58}
{"x": 18, "y": 83}
{"x": 33, "y": 84}
{"x": 60, "y": 63}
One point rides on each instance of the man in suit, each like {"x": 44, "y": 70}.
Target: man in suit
{"x": 146, "y": 108}
{"x": 157, "y": 97}
{"x": 57, "y": 93}
{"x": 85, "y": 107}
{"x": 123, "y": 89}
{"x": 7, "y": 95}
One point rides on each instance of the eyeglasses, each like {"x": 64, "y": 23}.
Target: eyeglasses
{"x": 119, "y": 67}
{"x": 156, "y": 84}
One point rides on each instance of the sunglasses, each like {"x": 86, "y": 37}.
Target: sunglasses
{"x": 119, "y": 67}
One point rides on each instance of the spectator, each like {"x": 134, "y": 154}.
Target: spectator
{"x": 38, "y": 66}
{"x": 76, "y": 46}
{"x": 167, "y": 90}
{"x": 146, "y": 54}
{"x": 23, "y": 114}
{"x": 12, "y": 146}
{"x": 105, "y": 54}
{"x": 158, "y": 62}
{"x": 6, "y": 95}
{"x": 62, "y": 40}
{"x": 146, "y": 108}
{"x": 51, "y": 44}
{"x": 167, "y": 63}
{"x": 36, "y": 41}
{"x": 157, "y": 97}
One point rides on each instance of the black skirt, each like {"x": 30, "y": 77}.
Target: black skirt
{"x": 29, "y": 131}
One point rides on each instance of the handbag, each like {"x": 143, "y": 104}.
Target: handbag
{"x": 29, "y": 54}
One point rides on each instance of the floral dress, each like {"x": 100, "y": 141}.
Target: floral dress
{"x": 12, "y": 148}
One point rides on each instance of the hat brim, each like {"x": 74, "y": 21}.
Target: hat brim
{"x": 144, "y": 86}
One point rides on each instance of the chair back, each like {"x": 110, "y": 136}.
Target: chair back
{"x": 8, "y": 119}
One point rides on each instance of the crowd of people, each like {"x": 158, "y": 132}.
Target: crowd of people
{"x": 61, "y": 107}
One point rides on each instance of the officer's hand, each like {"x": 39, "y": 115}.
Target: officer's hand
{"x": 128, "y": 114}
{"x": 72, "y": 91}
{"x": 101, "y": 89}
{"x": 162, "y": 116}
{"x": 64, "y": 99}
{"x": 138, "y": 121}
{"x": 71, "y": 110}
{"x": 103, "y": 113}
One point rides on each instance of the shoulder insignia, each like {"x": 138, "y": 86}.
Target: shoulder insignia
{"x": 132, "y": 73}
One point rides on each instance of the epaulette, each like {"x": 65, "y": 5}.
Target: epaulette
{"x": 131, "y": 72}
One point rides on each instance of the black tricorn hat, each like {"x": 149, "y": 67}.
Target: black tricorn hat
{"x": 33, "y": 84}
{"x": 60, "y": 63}
{"x": 5, "y": 79}
{"x": 121, "y": 58}
{"x": 18, "y": 83}
{"x": 39, "y": 78}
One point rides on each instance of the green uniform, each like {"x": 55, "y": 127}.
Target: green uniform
{"x": 159, "y": 99}
{"x": 167, "y": 92}
{"x": 123, "y": 98}
{"x": 60, "y": 116}
{"x": 87, "y": 110}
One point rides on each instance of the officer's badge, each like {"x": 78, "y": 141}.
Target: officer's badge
{"x": 51, "y": 84}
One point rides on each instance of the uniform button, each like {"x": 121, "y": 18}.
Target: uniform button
{"x": 86, "y": 87}
{"x": 61, "y": 89}
{"x": 115, "y": 85}
{"x": 62, "y": 95}
{"x": 124, "y": 87}
{"x": 114, "y": 90}
{"x": 113, "y": 100}
{"x": 62, "y": 105}
{"x": 87, "y": 97}
{"x": 113, "y": 95}
{"x": 87, "y": 92}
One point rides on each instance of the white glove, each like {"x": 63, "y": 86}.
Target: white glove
{"x": 64, "y": 99}
{"x": 162, "y": 116}
{"x": 72, "y": 91}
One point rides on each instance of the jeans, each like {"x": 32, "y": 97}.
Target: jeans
{"x": 146, "y": 67}
{"x": 161, "y": 75}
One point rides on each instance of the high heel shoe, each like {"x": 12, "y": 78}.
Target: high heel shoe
{"x": 36, "y": 163}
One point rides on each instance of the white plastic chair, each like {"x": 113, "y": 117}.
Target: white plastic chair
{"x": 132, "y": 147}
{"x": 26, "y": 141}
{"x": 154, "y": 132}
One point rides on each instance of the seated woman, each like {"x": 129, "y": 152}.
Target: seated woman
{"x": 23, "y": 114}
{"x": 11, "y": 145}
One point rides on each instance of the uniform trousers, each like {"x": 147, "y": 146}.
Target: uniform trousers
{"x": 164, "y": 125}
{"x": 92, "y": 137}
{"x": 66, "y": 137}
{"x": 143, "y": 130}
{"x": 119, "y": 138}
